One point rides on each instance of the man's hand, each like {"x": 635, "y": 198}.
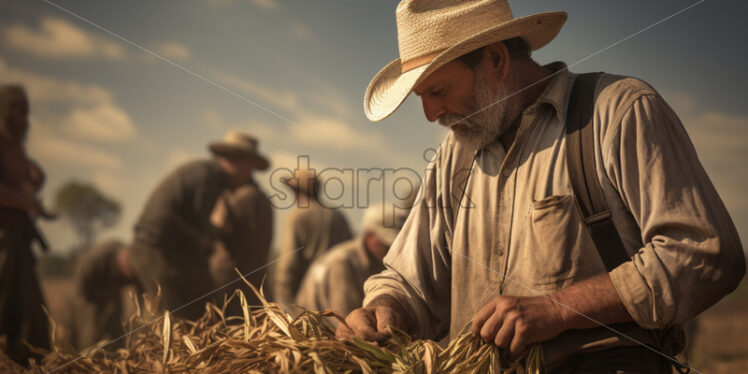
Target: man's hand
{"x": 372, "y": 322}
{"x": 515, "y": 322}
{"x": 219, "y": 213}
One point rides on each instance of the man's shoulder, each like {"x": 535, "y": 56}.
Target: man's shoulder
{"x": 617, "y": 92}
{"x": 198, "y": 167}
{"x": 342, "y": 254}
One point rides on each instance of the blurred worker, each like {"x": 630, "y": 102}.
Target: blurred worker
{"x": 247, "y": 218}
{"x": 309, "y": 232}
{"x": 336, "y": 280}
{"x": 174, "y": 236}
{"x": 22, "y": 318}
{"x": 101, "y": 273}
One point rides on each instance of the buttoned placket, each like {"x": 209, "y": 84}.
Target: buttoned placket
{"x": 507, "y": 187}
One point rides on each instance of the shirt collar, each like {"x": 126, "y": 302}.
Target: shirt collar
{"x": 558, "y": 90}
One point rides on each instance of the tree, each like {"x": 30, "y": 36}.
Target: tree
{"x": 87, "y": 210}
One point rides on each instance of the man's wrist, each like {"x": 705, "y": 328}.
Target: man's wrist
{"x": 562, "y": 311}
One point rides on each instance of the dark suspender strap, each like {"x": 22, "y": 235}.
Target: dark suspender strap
{"x": 580, "y": 152}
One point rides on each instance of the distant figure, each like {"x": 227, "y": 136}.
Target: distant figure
{"x": 21, "y": 315}
{"x": 312, "y": 227}
{"x": 336, "y": 280}
{"x": 174, "y": 237}
{"x": 101, "y": 273}
{"x": 247, "y": 217}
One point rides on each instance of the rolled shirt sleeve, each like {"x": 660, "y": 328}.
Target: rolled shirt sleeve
{"x": 418, "y": 272}
{"x": 692, "y": 255}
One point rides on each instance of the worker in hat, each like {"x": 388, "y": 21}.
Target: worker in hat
{"x": 335, "y": 281}
{"x": 310, "y": 230}
{"x": 174, "y": 237}
{"x": 567, "y": 210}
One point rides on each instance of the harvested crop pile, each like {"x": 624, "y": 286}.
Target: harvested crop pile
{"x": 267, "y": 340}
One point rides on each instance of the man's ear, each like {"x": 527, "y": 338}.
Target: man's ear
{"x": 498, "y": 56}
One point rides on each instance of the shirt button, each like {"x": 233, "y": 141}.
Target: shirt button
{"x": 507, "y": 172}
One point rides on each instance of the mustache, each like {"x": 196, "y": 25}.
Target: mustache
{"x": 448, "y": 120}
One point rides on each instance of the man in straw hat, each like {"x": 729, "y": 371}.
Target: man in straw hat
{"x": 310, "y": 230}
{"x": 499, "y": 237}
{"x": 22, "y": 318}
{"x": 174, "y": 236}
{"x": 336, "y": 280}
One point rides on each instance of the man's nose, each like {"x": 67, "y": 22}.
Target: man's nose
{"x": 432, "y": 108}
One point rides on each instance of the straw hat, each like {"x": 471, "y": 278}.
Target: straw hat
{"x": 238, "y": 144}
{"x": 304, "y": 180}
{"x": 431, "y": 33}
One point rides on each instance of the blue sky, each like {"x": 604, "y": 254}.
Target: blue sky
{"x": 105, "y": 111}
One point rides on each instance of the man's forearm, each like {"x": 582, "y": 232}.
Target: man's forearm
{"x": 589, "y": 303}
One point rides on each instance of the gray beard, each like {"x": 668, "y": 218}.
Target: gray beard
{"x": 492, "y": 113}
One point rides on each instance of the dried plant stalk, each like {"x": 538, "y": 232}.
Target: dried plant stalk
{"x": 266, "y": 339}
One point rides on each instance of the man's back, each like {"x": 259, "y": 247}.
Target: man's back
{"x": 336, "y": 280}
{"x": 314, "y": 229}
{"x": 177, "y": 211}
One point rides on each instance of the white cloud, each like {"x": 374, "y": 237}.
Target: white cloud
{"x": 264, "y": 4}
{"x": 288, "y": 102}
{"x": 178, "y": 157}
{"x": 42, "y": 89}
{"x": 91, "y": 114}
{"x": 300, "y": 30}
{"x": 53, "y": 150}
{"x": 105, "y": 122}
{"x": 58, "y": 38}
{"x": 336, "y": 134}
{"x": 172, "y": 50}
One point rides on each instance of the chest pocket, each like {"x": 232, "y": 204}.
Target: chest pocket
{"x": 560, "y": 249}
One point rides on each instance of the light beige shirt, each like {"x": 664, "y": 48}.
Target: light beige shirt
{"x": 519, "y": 230}
{"x": 336, "y": 280}
{"x": 314, "y": 229}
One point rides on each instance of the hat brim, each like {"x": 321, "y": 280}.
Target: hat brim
{"x": 227, "y": 150}
{"x": 389, "y": 88}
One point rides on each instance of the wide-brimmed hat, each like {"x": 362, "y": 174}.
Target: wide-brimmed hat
{"x": 431, "y": 33}
{"x": 239, "y": 145}
{"x": 303, "y": 180}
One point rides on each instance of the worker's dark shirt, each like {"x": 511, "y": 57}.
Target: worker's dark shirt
{"x": 176, "y": 216}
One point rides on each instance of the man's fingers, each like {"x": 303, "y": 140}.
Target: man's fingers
{"x": 343, "y": 332}
{"x": 386, "y": 318}
{"x": 491, "y": 327}
{"x": 505, "y": 334}
{"x": 363, "y": 324}
{"x": 519, "y": 341}
{"x": 481, "y": 317}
